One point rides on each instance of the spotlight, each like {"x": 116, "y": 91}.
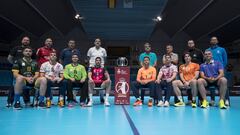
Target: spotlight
{"x": 77, "y": 16}
{"x": 157, "y": 19}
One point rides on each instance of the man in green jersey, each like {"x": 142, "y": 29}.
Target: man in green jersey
{"x": 75, "y": 76}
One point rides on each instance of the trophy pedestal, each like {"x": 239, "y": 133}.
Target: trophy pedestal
{"x": 122, "y": 86}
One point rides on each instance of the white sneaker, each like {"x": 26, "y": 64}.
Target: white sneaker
{"x": 90, "y": 103}
{"x": 227, "y": 103}
{"x": 166, "y": 104}
{"x": 106, "y": 103}
{"x": 160, "y": 103}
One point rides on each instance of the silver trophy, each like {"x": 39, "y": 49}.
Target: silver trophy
{"x": 122, "y": 61}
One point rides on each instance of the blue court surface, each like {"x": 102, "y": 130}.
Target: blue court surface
{"x": 120, "y": 120}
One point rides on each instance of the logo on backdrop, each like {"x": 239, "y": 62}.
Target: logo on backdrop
{"x": 122, "y": 87}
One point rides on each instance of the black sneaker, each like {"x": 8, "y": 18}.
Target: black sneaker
{"x": 17, "y": 106}
{"x": 41, "y": 105}
{"x": 101, "y": 100}
{"x": 8, "y": 105}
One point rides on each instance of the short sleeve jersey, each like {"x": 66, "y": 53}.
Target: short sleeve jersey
{"x": 189, "y": 70}
{"x": 50, "y": 70}
{"x": 25, "y": 68}
{"x": 93, "y": 53}
{"x": 98, "y": 74}
{"x": 167, "y": 71}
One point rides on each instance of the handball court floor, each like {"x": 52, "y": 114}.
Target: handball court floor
{"x": 120, "y": 119}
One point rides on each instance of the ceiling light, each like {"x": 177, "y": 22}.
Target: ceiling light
{"x": 77, "y": 16}
{"x": 157, "y": 19}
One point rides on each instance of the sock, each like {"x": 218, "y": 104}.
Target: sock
{"x": 180, "y": 98}
{"x": 48, "y": 98}
{"x": 138, "y": 99}
{"x": 90, "y": 97}
{"x": 17, "y": 97}
{"x": 61, "y": 98}
{"x": 41, "y": 98}
{"x": 194, "y": 99}
{"x": 107, "y": 95}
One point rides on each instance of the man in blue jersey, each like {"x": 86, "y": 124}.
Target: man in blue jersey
{"x": 212, "y": 74}
{"x": 66, "y": 54}
{"x": 148, "y": 53}
{"x": 219, "y": 54}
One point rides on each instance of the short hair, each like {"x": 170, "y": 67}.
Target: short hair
{"x": 147, "y": 43}
{"x": 146, "y": 57}
{"x": 167, "y": 55}
{"x": 75, "y": 54}
{"x": 207, "y": 50}
{"x": 27, "y": 47}
{"x": 98, "y": 58}
{"x": 71, "y": 40}
{"x": 185, "y": 53}
{"x": 169, "y": 45}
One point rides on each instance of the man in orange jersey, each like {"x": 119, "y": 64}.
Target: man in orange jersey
{"x": 189, "y": 73}
{"x": 145, "y": 79}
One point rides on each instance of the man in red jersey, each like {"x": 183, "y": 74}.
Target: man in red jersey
{"x": 43, "y": 53}
{"x": 98, "y": 77}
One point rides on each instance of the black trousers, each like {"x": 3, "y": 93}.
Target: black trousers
{"x": 83, "y": 90}
{"x": 136, "y": 86}
{"x": 167, "y": 87}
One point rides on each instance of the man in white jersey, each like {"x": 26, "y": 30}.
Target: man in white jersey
{"x": 96, "y": 51}
{"x": 52, "y": 71}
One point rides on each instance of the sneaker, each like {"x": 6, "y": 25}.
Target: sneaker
{"x": 137, "y": 103}
{"x": 227, "y": 102}
{"x": 166, "y": 104}
{"x": 222, "y": 105}
{"x": 48, "y": 103}
{"x": 75, "y": 101}
{"x": 27, "y": 104}
{"x": 194, "y": 105}
{"x": 90, "y": 103}
{"x": 189, "y": 102}
{"x": 102, "y": 100}
{"x": 178, "y": 104}
{"x": 42, "y": 105}
{"x": 212, "y": 103}
{"x": 61, "y": 103}
{"x": 150, "y": 103}
{"x": 106, "y": 103}
{"x": 160, "y": 103}
{"x": 35, "y": 103}
{"x": 8, "y": 105}
{"x": 17, "y": 106}
{"x": 82, "y": 104}
{"x": 204, "y": 104}
{"x": 155, "y": 101}
{"x": 70, "y": 104}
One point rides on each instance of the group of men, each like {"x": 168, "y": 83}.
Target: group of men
{"x": 198, "y": 71}
{"x": 44, "y": 73}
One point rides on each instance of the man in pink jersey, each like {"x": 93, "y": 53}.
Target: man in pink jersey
{"x": 98, "y": 77}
